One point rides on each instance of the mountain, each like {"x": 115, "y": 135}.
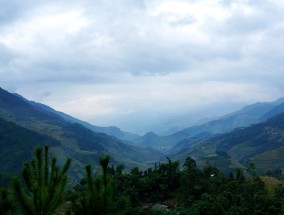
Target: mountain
{"x": 111, "y": 130}
{"x": 160, "y": 143}
{"x": 251, "y": 135}
{"x": 262, "y": 144}
{"x": 17, "y": 109}
{"x": 273, "y": 112}
{"x": 190, "y": 141}
{"x": 244, "y": 117}
{"x": 75, "y": 140}
{"x": 16, "y": 146}
{"x": 248, "y": 115}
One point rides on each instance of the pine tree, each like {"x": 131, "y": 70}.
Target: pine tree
{"x": 98, "y": 197}
{"x": 5, "y": 204}
{"x": 42, "y": 186}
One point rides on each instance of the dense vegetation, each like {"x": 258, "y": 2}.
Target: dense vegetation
{"x": 19, "y": 142}
{"x": 260, "y": 143}
{"x": 168, "y": 188}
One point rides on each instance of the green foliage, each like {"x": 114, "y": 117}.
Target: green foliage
{"x": 197, "y": 191}
{"x": 5, "y": 204}
{"x": 98, "y": 194}
{"x": 190, "y": 191}
{"x": 207, "y": 205}
{"x": 41, "y": 189}
{"x": 189, "y": 164}
{"x": 16, "y": 146}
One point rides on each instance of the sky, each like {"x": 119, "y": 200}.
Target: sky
{"x": 136, "y": 63}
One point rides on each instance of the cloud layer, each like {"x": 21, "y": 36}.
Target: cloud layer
{"x": 105, "y": 60}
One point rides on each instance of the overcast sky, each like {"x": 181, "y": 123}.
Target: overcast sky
{"x": 103, "y": 60}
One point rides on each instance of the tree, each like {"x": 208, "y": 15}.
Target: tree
{"x": 5, "y": 204}
{"x": 207, "y": 205}
{"x": 119, "y": 169}
{"x": 98, "y": 196}
{"x": 169, "y": 176}
{"x": 240, "y": 176}
{"x": 252, "y": 169}
{"x": 104, "y": 160}
{"x": 189, "y": 164}
{"x": 190, "y": 186}
{"x": 41, "y": 191}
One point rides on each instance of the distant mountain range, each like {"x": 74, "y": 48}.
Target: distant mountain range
{"x": 73, "y": 139}
{"x": 251, "y": 114}
{"x": 261, "y": 144}
{"x": 248, "y": 115}
{"x": 255, "y": 134}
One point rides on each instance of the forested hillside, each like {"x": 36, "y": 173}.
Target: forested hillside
{"x": 16, "y": 146}
{"x": 261, "y": 144}
{"x": 76, "y": 141}
{"x": 167, "y": 188}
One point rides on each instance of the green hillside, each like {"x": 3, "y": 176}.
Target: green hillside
{"x": 261, "y": 144}
{"x": 270, "y": 161}
{"x": 16, "y": 146}
{"x": 77, "y": 141}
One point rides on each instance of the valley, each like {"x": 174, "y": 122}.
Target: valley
{"x": 254, "y": 134}
{"x": 233, "y": 151}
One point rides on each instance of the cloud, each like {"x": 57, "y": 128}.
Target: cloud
{"x": 125, "y": 56}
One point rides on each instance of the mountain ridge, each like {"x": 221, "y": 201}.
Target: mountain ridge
{"x": 250, "y": 114}
{"x": 110, "y": 130}
{"x": 252, "y": 124}
{"x": 77, "y": 141}
{"x": 246, "y": 145}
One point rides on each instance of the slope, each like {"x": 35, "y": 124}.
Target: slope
{"x": 248, "y": 115}
{"x": 261, "y": 144}
{"x": 82, "y": 144}
{"x": 111, "y": 130}
{"x": 16, "y": 146}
